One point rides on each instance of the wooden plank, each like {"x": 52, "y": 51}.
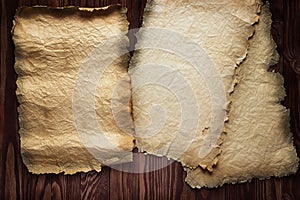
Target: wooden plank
{"x": 164, "y": 183}
{"x": 38, "y": 187}
{"x": 10, "y": 159}
{"x": 291, "y": 73}
{"x": 167, "y": 183}
{"x": 95, "y": 185}
{"x": 58, "y": 187}
{"x": 121, "y": 185}
{"x": 74, "y": 186}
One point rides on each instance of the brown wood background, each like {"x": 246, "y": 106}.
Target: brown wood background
{"x": 168, "y": 183}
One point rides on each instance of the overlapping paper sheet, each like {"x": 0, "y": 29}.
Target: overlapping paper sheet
{"x": 200, "y": 94}
{"x": 183, "y": 73}
{"x": 258, "y": 142}
{"x": 67, "y": 88}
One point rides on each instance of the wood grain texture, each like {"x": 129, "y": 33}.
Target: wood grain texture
{"x": 167, "y": 183}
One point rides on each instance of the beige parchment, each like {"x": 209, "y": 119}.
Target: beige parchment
{"x": 52, "y": 46}
{"x": 258, "y": 142}
{"x": 222, "y": 33}
{"x": 56, "y": 48}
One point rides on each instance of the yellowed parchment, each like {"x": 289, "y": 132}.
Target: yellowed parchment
{"x": 258, "y": 142}
{"x": 222, "y": 33}
{"x": 53, "y": 50}
{"x": 59, "y": 52}
{"x": 244, "y": 10}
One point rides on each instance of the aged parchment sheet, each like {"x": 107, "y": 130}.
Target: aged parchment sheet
{"x": 181, "y": 84}
{"x": 192, "y": 102}
{"x": 54, "y": 49}
{"x": 258, "y": 142}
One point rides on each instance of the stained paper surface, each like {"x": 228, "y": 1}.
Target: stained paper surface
{"x": 54, "y": 50}
{"x": 258, "y": 142}
{"x": 201, "y": 93}
{"x": 182, "y": 84}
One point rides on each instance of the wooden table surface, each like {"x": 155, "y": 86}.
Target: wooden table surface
{"x": 168, "y": 183}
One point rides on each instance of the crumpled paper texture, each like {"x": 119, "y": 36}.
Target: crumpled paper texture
{"x": 223, "y": 33}
{"x": 258, "y": 142}
{"x": 244, "y": 10}
{"x": 51, "y": 46}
